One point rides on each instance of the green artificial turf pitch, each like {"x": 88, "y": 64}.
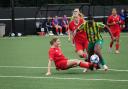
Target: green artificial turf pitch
{"x": 23, "y": 64}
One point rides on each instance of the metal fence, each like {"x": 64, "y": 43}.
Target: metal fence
{"x": 37, "y": 3}
{"x": 23, "y": 19}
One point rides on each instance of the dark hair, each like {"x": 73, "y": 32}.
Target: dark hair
{"x": 53, "y": 40}
{"x": 90, "y": 21}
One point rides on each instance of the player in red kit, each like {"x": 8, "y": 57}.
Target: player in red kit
{"x": 114, "y": 22}
{"x": 61, "y": 62}
{"x": 79, "y": 37}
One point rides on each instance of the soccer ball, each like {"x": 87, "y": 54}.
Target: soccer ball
{"x": 94, "y": 58}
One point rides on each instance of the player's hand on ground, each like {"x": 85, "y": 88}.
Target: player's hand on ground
{"x": 48, "y": 73}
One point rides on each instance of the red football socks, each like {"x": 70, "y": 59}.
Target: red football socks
{"x": 56, "y": 30}
{"x": 111, "y": 44}
{"x": 84, "y": 64}
{"x": 117, "y": 46}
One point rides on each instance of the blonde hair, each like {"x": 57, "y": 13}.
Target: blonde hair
{"x": 81, "y": 15}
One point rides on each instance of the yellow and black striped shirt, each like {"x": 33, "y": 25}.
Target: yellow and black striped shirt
{"x": 93, "y": 33}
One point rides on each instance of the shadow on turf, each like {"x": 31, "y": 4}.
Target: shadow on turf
{"x": 73, "y": 72}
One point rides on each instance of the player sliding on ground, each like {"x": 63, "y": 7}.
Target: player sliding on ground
{"x": 95, "y": 39}
{"x": 61, "y": 62}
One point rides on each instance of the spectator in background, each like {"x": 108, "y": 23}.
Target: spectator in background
{"x": 38, "y": 28}
{"x": 122, "y": 14}
{"x": 49, "y": 25}
{"x": 56, "y": 25}
{"x": 123, "y": 17}
{"x": 126, "y": 19}
{"x": 65, "y": 23}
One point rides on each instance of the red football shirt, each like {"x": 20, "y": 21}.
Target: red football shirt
{"x": 80, "y": 35}
{"x": 56, "y": 55}
{"x": 114, "y": 19}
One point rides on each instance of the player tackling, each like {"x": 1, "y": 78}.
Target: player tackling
{"x": 61, "y": 62}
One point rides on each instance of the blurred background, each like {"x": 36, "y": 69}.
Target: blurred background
{"x": 21, "y": 16}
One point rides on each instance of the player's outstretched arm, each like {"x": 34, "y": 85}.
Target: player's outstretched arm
{"x": 110, "y": 32}
{"x": 49, "y": 68}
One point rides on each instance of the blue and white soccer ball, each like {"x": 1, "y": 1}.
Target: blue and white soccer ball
{"x": 94, "y": 58}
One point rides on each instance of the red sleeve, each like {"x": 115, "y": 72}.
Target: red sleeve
{"x": 109, "y": 19}
{"x": 51, "y": 54}
{"x": 81, "y": 20}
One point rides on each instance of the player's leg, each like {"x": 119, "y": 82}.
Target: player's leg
{"x": 73, "y": 41}
{"x": 80, "y": 49}
{"x": 90, "y": 50}
{"x": 99, "y": 53}
{"x": 56, "y": 29}
{"x": 65, "y": 29}
{"x": 66, "y": 26}
{"x": 60, "y": 28}
{"x": 97, "y": 50}
{"x": 117, "y": 45}
{"x": 72, "y": 63}
{"x": 112, "y": 42}
{"x": 117, "y": 42}
{"x": 90, "y": 53}
{"x": 85, "y": 44}
{"x": 76, "y": 62}
{"x": 82, "y": 54}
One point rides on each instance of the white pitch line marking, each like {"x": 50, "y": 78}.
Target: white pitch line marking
{"x": 60, "y": 78}
{"x": 29, "y": 67}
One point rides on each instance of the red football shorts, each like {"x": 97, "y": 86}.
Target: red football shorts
{"x": 62, "y": 65}
{"x": 116, "y": 34}
{"x": 81, "y": 45}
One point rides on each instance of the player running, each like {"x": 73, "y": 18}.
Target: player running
{"x": 79, "y": 37}
{"x": 95, "y": 39}
{"x": 61, "y": 62}
{"x": 114, "y": 22}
